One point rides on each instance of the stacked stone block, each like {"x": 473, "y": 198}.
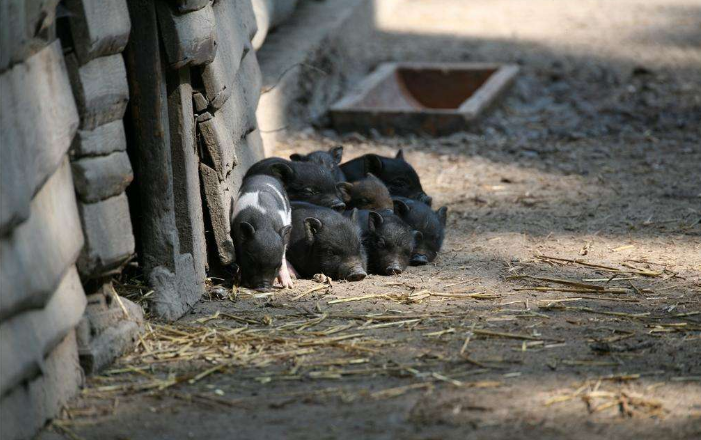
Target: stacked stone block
{"x": 65, "y": 220}
{"x": 99, "y": 32}
{"x": 41, "y": 296}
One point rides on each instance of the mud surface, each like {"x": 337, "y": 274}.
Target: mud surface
{"x": 589, "y": 172}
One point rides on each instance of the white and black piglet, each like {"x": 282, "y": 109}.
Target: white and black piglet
{"x": 261, "y": 221}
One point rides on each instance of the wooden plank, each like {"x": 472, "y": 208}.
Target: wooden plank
{"x": 232, "y": 144}
{"x": 103, "y": 140}
{"x": 250, "y": 79}
{"x": 186, "y": 178}
{"x": 219, "y": 143}
{"x": 170, "y": 273}
{"x": 219, "y": 193}
{"x": 252, "y": 153}
{"x": 175, "y": 292}
{"x": 28, "y": 337}
{"x": 26, "y": 408}
{"x": 233, "y": 42}
{"x": 189, "y": 39}
{"x": 100, "y": 88}
{"x": 99, "y": 27}
{"x": 218, "y": 204}
{"x": 199, "y": 102}
{"x": 37, "y": 90}
{"x": 222, "y": 132}
{"x": 249, "y": 151}
{"x": 152, "y": 159}
{"x": 34, "y": 257}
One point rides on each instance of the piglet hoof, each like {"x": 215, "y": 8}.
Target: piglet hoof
{"x": 284, "y": 277}
{"x": 285, "y": 282}
{"x": 293, "y": 273}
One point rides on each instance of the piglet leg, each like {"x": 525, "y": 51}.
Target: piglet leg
{"x": 284, "y": 275}
{"x": 292, "y": 270}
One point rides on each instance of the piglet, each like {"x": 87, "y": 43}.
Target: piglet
{"x": 430, "y": 223}
{"x": 304, "y": 181}
{"x": 388, "y": 241}
{"x": 368, "y": 193}
{"x": 324, "y": 241}
{"x": 261, "y": 222}
{"x": 396, "y": 173}
{"x": 328, "y": 159}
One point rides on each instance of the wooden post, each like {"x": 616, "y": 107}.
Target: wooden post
{"x": 172, "y": 274}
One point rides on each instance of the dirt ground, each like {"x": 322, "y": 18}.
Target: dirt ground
{"x": 588, "y": 174}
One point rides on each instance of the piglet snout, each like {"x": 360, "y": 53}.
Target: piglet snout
{"x": 393, "y": 269}
{"x": 418, "y": 260}
{"x": 356, "y": 275}
{"x": 339, "y": 206}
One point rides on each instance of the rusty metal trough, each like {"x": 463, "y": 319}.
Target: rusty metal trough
{"x": 426, "y": 98}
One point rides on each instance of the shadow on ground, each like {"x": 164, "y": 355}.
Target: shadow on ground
{"x": 592, "y": 157}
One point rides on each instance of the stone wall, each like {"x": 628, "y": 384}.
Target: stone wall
{"x": 41, "y": 296}
{"x": 94, "y": 35}
{"x": 64, "y": 218}
{"x": 126, "y": 127}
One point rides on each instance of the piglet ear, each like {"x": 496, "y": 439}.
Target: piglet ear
{"x": 285, "y": 232}
{"x": 337, "y": 154}
{"x": 312, "y": 226}
{"x": 418, "y": 236}
{"x": 442, "y": 215}
{"x": 354, "y": 216}
{"x": 374, "y": 221}
{"x": 247, "y": 230}
{"x": 374, "y": 178}
{"x": 401, "y": 208}
{"x": 345, "y": 190}
{"x": 400, "y": 155}
{"x": 296, "y": 157}
{"x": 283, "y": 172}
{"x": 373, "y": 164}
